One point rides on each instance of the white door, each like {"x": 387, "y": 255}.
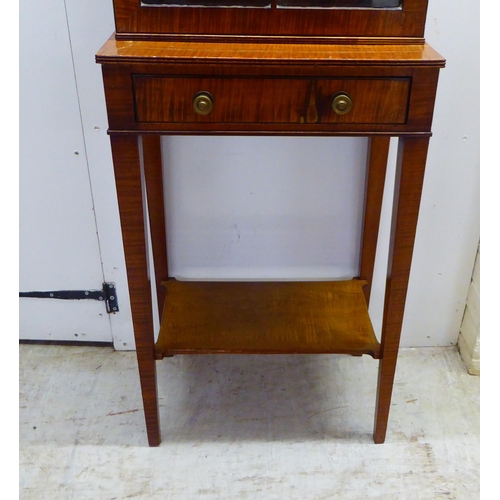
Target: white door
{"x": 60, "y": 246}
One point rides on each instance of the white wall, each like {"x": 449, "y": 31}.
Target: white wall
{"x": 448, "y": 229}
{"x": 261, "y": 207}
{"x": 264, "y": 207}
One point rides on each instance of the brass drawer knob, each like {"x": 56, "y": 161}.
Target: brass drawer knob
{"x": 203, "y": 103}
{"x": 341, "y": 103}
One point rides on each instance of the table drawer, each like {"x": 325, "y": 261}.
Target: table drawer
{"x": 164, "y": 99}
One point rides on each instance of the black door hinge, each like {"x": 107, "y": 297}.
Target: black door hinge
{"x": 106, "y": 295}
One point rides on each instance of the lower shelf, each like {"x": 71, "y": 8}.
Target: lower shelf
{"x": 266, "y": 318}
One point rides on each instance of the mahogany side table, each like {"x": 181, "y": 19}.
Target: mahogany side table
{"x": 173, "y": 87}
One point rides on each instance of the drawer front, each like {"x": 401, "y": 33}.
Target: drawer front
{"x": 161, "y": 99}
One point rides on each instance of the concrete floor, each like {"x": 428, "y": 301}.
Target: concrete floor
{"x": 246, "y": 427}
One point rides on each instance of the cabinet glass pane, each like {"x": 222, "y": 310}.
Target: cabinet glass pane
{"x": 354, "y": 4}
{"x": 207, "y": 3}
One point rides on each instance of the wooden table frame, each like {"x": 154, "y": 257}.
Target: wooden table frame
{"x": 121, "y": 61}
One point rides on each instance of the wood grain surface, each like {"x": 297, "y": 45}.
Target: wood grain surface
{"x": 153, "y": 174}
{"x": 126, "y": 162}
{"x": 378, "y": 152}
{"x": 407, "y": 22}
{"x": 154, "y": 52}
{"x": 266, "y": 318}
{"x": 150, "y": 87}
{"x": 270, "y": 100}
{"x": 412, "y": 155}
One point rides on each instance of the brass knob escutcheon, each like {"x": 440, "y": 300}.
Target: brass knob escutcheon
{"x": 341, "y": 103}
{"x": 203, "y": 103}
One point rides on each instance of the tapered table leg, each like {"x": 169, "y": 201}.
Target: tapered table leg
{"x": 378, "y": 152}
{"x": 412, "y": 155}
{"x": 153, "y": 174}
{"x": 130, "y": 200}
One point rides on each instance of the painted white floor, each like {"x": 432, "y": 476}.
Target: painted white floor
{"x": 246, "y": 427}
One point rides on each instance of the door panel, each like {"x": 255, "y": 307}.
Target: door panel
{"x": 90, "y": 24}
{"x": 59, "y": 246}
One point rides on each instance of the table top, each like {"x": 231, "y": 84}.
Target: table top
{"x": 127, "y": 51}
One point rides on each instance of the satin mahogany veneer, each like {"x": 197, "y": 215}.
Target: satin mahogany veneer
{"x": 266, "y": 318}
